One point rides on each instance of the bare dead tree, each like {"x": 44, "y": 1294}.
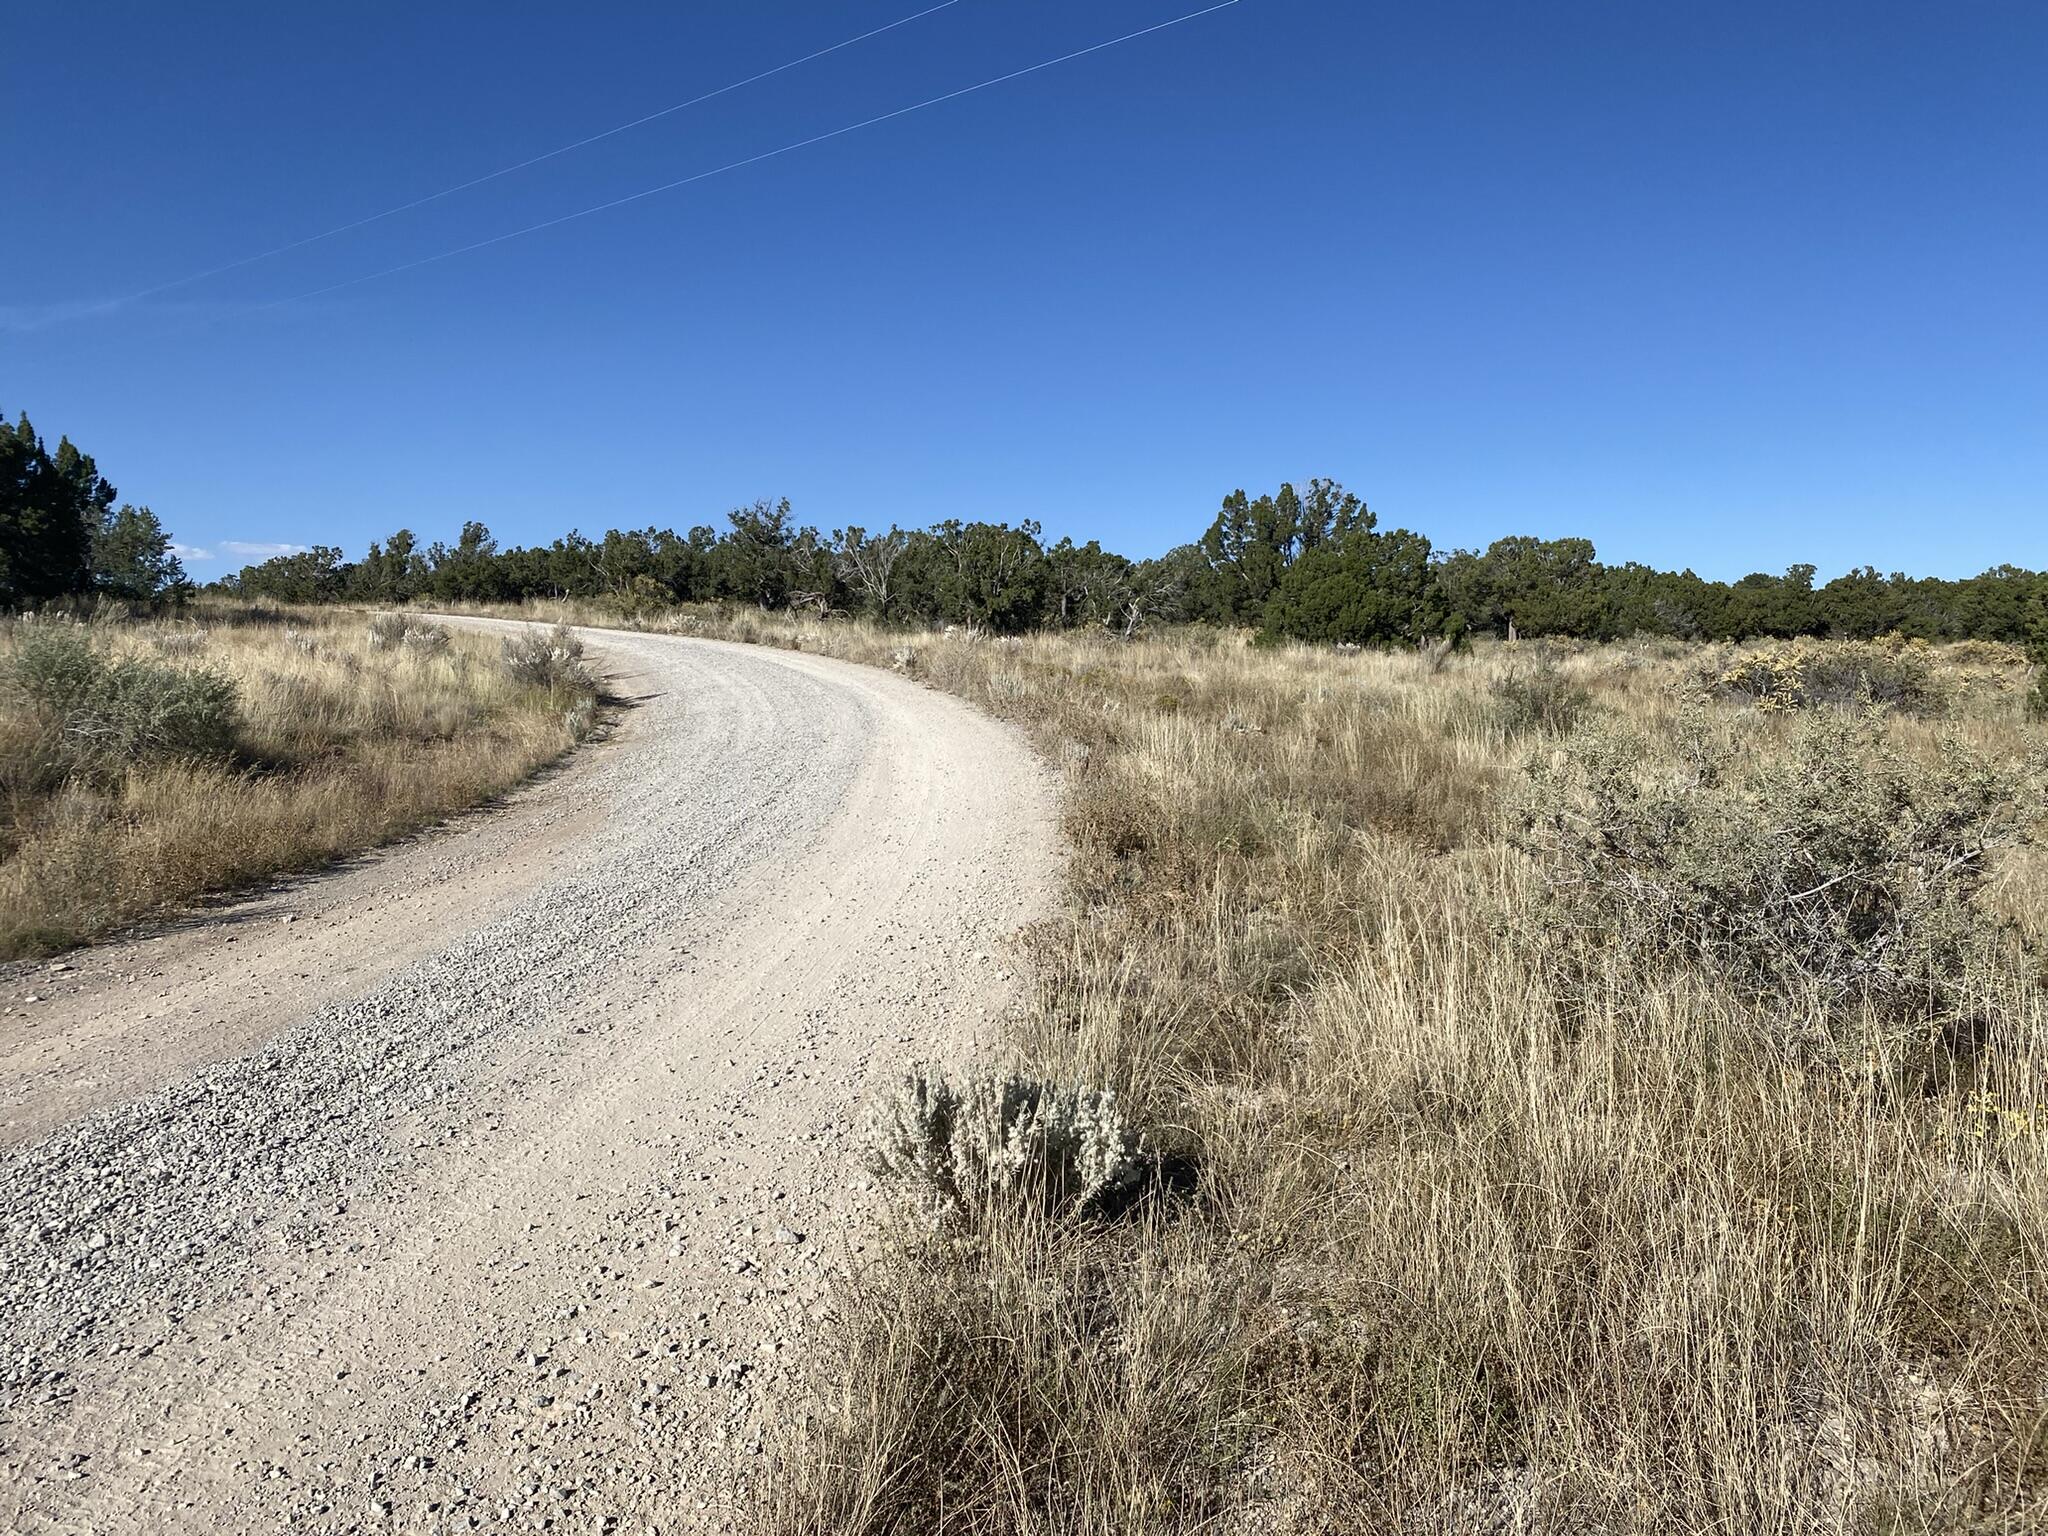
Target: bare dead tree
{"x": 868, "y": 565}
{"x": 1147, "y": 591}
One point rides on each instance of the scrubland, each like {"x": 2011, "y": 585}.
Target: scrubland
{"x": 145, "y": 762}
{"x": 1581, "y": 1089}
{"x": 1536, "y": 1088}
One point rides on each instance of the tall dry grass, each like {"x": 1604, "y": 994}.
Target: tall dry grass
{"x": 331, "y": 743}
{"x": 1494, "y": 1224}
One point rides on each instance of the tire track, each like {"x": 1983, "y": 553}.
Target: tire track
{"x": 519, "y": 1234}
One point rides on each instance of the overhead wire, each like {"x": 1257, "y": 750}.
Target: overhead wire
{"x": 520, "y": 165}
{"x": 734, "y": 165}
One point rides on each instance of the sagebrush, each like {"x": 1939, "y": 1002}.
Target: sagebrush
{"x": 970, "y": 1149}
{"x": 92, "y": 714}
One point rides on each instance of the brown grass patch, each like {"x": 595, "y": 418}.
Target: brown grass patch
{"x": 1468, "y": 1238}
{"x": 335, "y": 745}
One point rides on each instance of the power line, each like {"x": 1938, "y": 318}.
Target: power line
{"x": 477, "y": 181}
{"x": 684, "y": 181}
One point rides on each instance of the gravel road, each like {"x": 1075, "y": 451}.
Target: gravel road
{"x": 489, "y": 1182}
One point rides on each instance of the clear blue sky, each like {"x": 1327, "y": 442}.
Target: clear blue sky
{"x": 1728, "y": 286}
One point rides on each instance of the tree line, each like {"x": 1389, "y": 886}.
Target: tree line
{"x": 63, "y": 535}
{"x": 1307, "y": 564}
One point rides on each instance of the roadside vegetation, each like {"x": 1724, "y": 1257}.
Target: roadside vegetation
{"x": 1612, "y": 1107}
{"x": 1558, "y": 1082}
{"x": 146, "y": 761}
{"x": 1545, "y": 1087}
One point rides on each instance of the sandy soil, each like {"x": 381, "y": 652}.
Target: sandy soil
{"x": 493, "y": 1189}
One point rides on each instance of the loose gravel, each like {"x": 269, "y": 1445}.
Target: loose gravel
{"x": 523, "y": 1232}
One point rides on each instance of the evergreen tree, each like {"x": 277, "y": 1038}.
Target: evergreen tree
{"x": 1365, "y": 588}
{"x": 754, "y": 559}
{"x": 1247, "y": 547}
{"x": 50, "y": 507}
{"x": 1085, "y": 584}
{"x": 392, "y": 572}
{"x": 131, "y": 556}
{"x": 985, "y": 575}
{"x": 1544, "y": 587}
{"x": 316, "y": 575}
{"x": 2035, "y": 639}
{"x": 1327, "y": 513}
{"x": 470, "y": 572}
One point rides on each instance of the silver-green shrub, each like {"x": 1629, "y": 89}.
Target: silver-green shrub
{"x": 179, "y": 642}
{"x": 551, "y": 659}
{"x": 580, "y": 718}
{"x": 96, "y": 715}
{"x": 398, "y": 631}
{"x": 990, "y": 1141}
{"x": 387, "y": 631}
{"x": 1836, "y": 871}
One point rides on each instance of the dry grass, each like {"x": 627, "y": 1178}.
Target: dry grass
{"x": 1482, "y": 1235}
{"x": 333, "y": 745}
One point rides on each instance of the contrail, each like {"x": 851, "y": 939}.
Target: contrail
{"x": 684, "y": 181}
{"x": 477, "y": 181}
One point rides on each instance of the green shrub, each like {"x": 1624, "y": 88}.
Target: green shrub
{"x": 147, "y": 711}
{"x": 1539, "y": 699}
{"x": 1837, "y": 872}
{"x": 54, "y": 667}
{"x": 96, "y": 716}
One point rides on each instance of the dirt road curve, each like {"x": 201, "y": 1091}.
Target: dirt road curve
{"x": 485, "y": 1184}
